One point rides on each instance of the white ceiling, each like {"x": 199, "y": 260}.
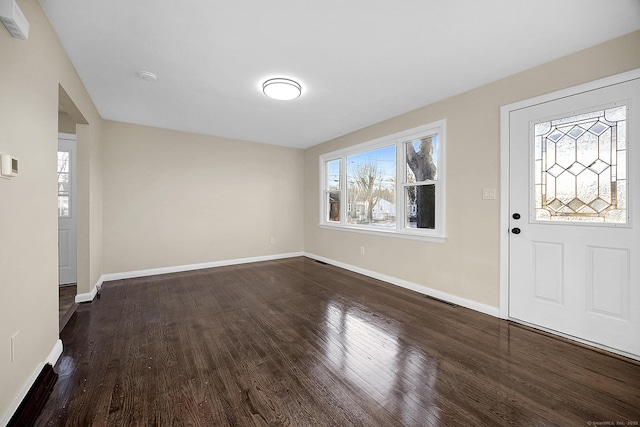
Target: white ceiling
{"x": 359, "y": 61}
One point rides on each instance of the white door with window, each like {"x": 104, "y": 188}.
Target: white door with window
{"x": 574, "y": 200}
{"x": 67, "y": 242}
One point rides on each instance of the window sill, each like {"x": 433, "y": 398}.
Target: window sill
{"x": 386, "y": 233}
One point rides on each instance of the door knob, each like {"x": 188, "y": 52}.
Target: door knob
{"x": 516, "y": 230}
{"x": 516, "y": 216}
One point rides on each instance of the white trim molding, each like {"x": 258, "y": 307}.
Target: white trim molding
{"x": 399, "y": 141}
{"x": 473, "y": 305}
{"x": 89, "y": 296}
{"x": 68, "y": 136}
{"x": 505, "y": 112}
{"x": 55, "y": 354}
{"x": 51, "y": 359}
{"x": 191, "y": 267}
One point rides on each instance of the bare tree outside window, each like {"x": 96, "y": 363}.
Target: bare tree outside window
{"x": 366, "y": 184}
{"x": 421, "y": 198}
{"x": 394, "y": 185}
{"x": 371, "y": 187}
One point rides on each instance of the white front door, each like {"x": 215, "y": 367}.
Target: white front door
{"x": 574, "y": 202}
{"x": 67, "y": 242}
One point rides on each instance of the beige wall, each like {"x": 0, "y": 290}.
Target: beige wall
{"x": 165, "y": 198}
{"x": 89, "y": 204}
{"x": 30, "y": 74}
{"x": 174, "y": 198}
{"x": 66, "y": 124}
{"x": 467, "y": 265}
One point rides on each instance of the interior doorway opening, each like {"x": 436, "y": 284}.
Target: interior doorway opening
{"x": 67, "y": 163}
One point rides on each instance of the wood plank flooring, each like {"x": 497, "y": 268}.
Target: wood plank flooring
{"x": 66, "y": 303}
{"x": 298, "y": 343}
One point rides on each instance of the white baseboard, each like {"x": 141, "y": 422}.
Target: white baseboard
{"x": 52, "y": 359}
{"x": 473, "y": 305}
{"x": 88, "y": 297}
{"x": 55, "y": 354}
{"x": 191, "y": 267}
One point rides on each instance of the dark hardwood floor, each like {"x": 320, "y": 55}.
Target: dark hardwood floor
{"x": 295, "y": 342}
{"x": 67, "y": 303}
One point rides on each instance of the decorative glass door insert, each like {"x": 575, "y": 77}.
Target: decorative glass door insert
{"x": 580, "y": 168}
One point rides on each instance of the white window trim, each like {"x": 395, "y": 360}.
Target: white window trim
{"x": 434, "y": 235}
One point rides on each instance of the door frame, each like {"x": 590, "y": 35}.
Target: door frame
{"x": 74, "y": 195}
{"x": 505, "y": 184}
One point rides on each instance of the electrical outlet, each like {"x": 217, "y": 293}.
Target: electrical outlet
{"x": 361, "y": 250}
{"x": 488, "y": 194}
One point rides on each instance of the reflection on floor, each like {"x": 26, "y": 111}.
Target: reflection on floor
{"x": 67, "y": 294}
{"x": 295, "y": 342}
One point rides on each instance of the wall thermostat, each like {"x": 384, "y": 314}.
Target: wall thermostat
{"x": 8, "y": 166}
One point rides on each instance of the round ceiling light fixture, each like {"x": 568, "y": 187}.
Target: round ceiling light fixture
{"x": 148, "y": 76}
{"x": 282, "y": 89}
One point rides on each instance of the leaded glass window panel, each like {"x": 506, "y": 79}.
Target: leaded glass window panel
{"x": 580, "y": 168}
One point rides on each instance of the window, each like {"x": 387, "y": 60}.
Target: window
{"x": 392, "y": 185}
{"x": 581, "y": 168}
{"x": 371, "y": 187}
{"x": 64, "y": 184}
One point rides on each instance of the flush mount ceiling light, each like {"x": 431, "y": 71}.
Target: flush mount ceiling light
{"x": 148, "y": 76}
{"x": 282, "y": 89}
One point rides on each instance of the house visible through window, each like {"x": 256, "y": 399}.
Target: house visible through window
{"x": 371, "y": 192}
{"x": 391, "y": 185}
